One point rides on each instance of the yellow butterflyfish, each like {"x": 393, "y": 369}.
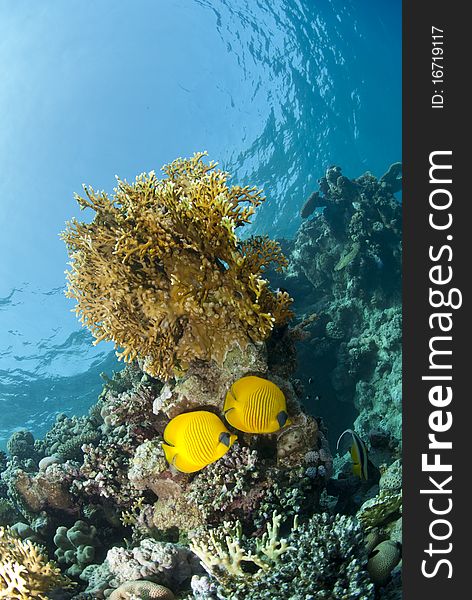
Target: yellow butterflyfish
{"x": 196, "y": 439}
{"x": 255, "y": 405}
{"x": 358, "y": 454}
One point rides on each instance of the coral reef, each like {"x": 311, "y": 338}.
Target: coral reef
{"x": 25, "y": 573}
{"x": 161, "y": 272}
{"x": 174, "y": 284}
{"x": 321, "y": 558}
{"x": 171, "y": 565}
{"x": 347, "y": 261}
{"x": 44, "y": 490}
{"x": 21, "y": 445}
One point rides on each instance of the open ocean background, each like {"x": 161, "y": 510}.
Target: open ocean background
{"x": 274, "y": 91}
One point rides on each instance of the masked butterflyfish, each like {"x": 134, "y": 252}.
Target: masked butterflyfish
{"x": 255, "y": 405}
{"x": 358, "y": 452}
{"x": 196, "y": 439}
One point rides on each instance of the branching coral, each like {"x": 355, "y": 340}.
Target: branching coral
{"x": 323, "y": 558}
{"x": 25, "y": 573}
{"x": 223, "y": 550}
{"x": 162, "y": 273}
{"x": 67, "y": 436}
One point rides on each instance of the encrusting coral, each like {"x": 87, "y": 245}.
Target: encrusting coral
{"x": 25, "y": 573}
{"x": 161, "y": 272}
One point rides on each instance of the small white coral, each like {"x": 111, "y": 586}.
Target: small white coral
{"x": 222, "y": 553}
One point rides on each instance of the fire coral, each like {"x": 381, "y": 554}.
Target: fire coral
{"x": 161, "y": 272}
{"x": 25, "y": 572}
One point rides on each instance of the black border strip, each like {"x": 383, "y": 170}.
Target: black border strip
{"x": 436, "y": 130}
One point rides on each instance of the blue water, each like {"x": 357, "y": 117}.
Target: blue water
{"x": 275, "y": 91}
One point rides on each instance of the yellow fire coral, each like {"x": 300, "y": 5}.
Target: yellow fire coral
{"x": 161, "y": 272}
{"x": 24, "y": 572}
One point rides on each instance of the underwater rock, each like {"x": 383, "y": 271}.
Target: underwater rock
{"x": 205, "y": 384}
{"x": 314, "y": 201}
{"x": 147, "y": 466}
{"x": 392, "y": 179}
{"x": 44, "y": 490}
{"x": 173, "y": 517}
{"x": 296, "y": 439}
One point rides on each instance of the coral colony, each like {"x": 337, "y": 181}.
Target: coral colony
{"x": 200, "y": 473}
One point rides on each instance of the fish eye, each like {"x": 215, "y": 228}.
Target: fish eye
{"x": 282, "y": 418}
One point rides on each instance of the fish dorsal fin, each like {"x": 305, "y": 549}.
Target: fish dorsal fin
{"x": 350, "y": 431}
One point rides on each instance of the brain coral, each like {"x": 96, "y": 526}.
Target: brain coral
{"x": 161, "y": 272}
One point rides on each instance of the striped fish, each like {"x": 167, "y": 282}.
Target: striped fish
{"x": 255, "y": 405}
{"x": 196, "y": 439}
{"x": 358, "y": 454}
